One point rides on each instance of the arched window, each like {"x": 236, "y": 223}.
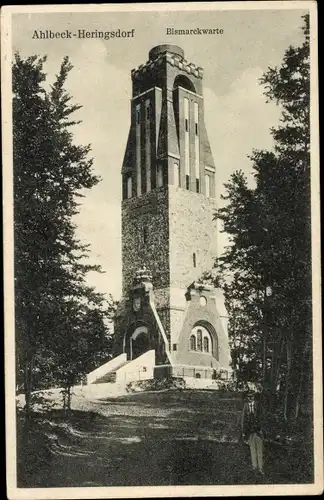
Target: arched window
{"x": 199, "y": 340}
{"x": 192, "y": 343}
{"x": 205, "y": 340}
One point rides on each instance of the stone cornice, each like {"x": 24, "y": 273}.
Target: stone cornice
{"x": 146, "y": 92}
{"x": 189, "y": 92}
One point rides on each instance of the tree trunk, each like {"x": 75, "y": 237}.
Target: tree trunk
{"x": 288, "y": 352}
{"x": 28, "y": 385}
{"x": 273, "y": 365}
{"x": 297, "y": 402}
{"x": 265, "y": 337}
{"x": 272, "y": 381}
{"x": 69, "y": 398}
{"x": 275, "y": 369}
{"x": 279, "y": 361}
{"x": 264, "y": 362}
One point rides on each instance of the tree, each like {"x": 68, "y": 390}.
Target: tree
{"x": 266, "y": 269}
{"x": 52, "y": 298}
{"x": 86, "y": 344}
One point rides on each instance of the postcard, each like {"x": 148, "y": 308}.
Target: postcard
{"x": 162, "y": 250}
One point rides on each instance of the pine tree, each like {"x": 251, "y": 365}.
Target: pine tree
{"x": 52, "y": 297}
{"x": 269, "y": 228}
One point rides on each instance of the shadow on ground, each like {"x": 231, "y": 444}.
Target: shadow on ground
{"x": 145, "y": 439}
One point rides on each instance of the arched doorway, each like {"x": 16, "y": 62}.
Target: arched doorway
{"x": 139, "y": 342}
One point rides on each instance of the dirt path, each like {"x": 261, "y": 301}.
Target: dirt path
{"x": 90, "y": 454}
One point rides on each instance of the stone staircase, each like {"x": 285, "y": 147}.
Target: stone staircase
{"x": 119, "y": 369}
{"x": 111, "y": 376}
{"x": 103, "y": 374}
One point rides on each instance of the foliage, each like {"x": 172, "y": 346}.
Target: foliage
{"x": 61, "y": 322}
{"x": 156, "y": 384}
{"x": 265, "y": 271}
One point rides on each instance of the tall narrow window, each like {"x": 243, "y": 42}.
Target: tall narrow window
{"x": 138, "y": 151}
{"x": 206, "y": 344}
{"x": 216, "y": 349}
{"x": 176, "y": 174}
{"x": 194, "y": 260}
{"x": 187, "y": 182}
{"x": 196, "y": 117}
{"x": 129, "y": 186}
{"x": 197, "y": 146}
{"x": 186, "y": 137}
{"x": 159, "y": 176}
{"x": 199, "y": 340}
{"x": 207, "y": 185}
{"x": 192, "y": 343}
{"x": 147, "y": 145}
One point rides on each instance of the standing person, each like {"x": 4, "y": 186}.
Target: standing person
{"x": 255, "y": 441}
{"x": 245, "y": 419}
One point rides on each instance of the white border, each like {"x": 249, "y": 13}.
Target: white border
{"x": 159, "y": 7}
{"x": 164, "y": 491}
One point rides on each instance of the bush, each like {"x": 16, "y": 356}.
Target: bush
{"x": 156, "y": 384}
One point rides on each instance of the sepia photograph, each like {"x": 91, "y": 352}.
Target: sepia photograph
{"x": 162, "y": 250}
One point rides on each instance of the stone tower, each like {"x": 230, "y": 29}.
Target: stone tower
{"x": 168, "y": 231}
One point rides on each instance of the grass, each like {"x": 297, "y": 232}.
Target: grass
{"x": 178, "y": 438}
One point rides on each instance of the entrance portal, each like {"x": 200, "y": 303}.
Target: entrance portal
{"x": 139, "y": 342}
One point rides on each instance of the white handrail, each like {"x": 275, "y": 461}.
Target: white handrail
{"x": 157, "y": 318}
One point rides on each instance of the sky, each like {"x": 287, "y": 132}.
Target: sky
{"x": 237, "y": 116}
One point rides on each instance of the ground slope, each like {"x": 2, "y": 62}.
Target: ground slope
{"x": 157, "y": 438}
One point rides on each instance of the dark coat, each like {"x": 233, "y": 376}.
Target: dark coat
{"x": 252, "y": 425}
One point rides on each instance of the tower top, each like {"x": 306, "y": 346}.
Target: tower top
{"x": 174, "y": 56}
{"x": 161, "y": 49}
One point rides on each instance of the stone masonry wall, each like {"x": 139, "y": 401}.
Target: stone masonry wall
{"x": 148, "y": 213}
{"x": 207, "y": 314}
{"x": 192, "y": 231}
{"x": 145, "y": 238}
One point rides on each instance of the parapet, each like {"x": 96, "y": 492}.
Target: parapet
{"x": 173, "y": 55}
{"x": 161, "y": 49}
